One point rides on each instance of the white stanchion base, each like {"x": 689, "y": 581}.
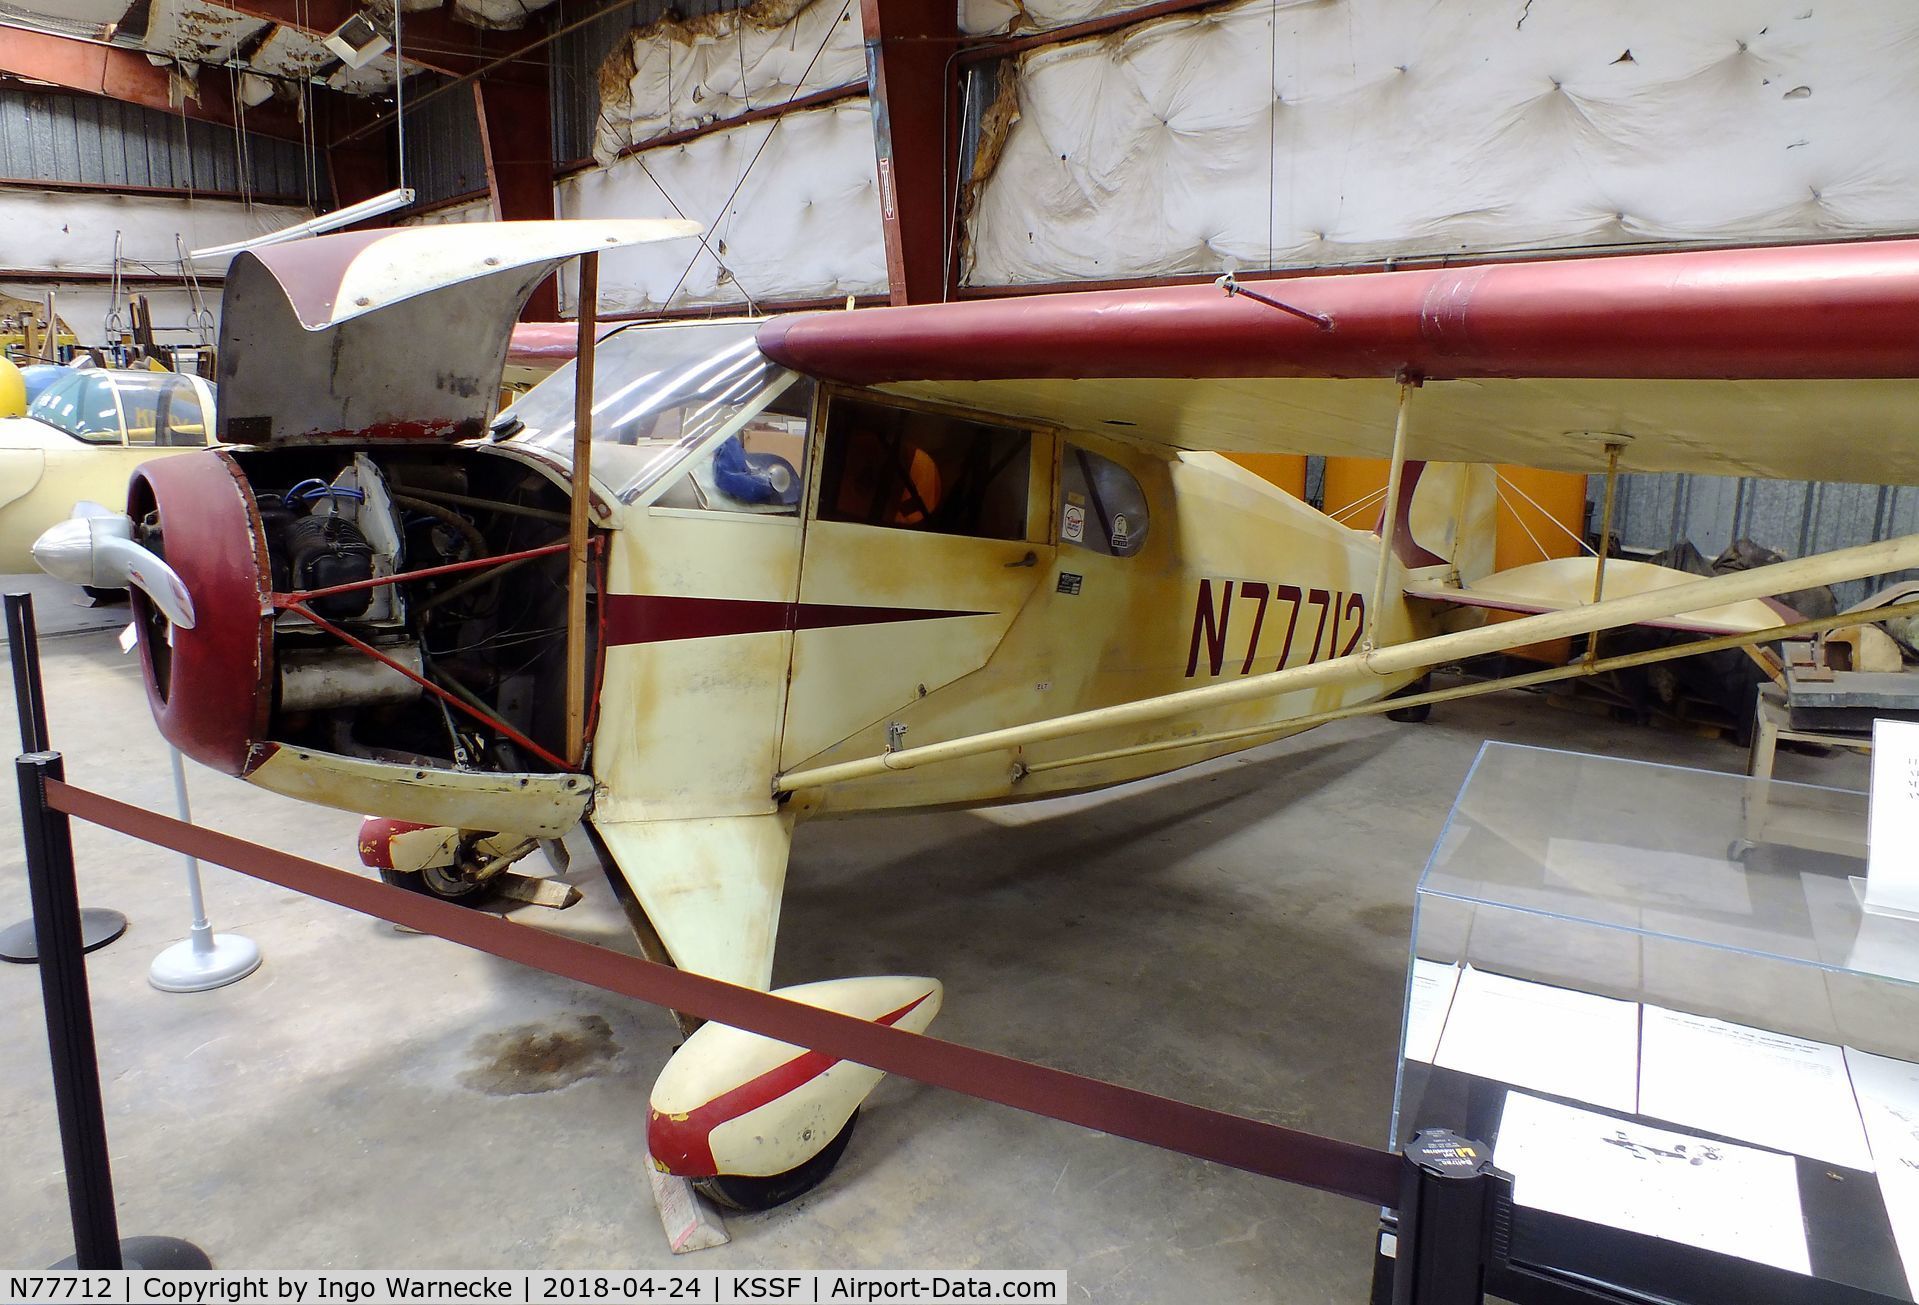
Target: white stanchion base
{"x": 183, "y": 968}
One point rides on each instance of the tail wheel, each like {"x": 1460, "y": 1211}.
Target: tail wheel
{"x": 752, "y": 1195}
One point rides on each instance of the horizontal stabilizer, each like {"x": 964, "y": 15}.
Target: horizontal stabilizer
{"x": 1562, "y": 583}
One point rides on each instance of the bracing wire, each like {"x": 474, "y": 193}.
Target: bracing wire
{"x": 1272, "y": 128}
{"x": 241, "y": 160}
{"x": 309, "y": 164}
{"x": 1543, "y": 554}
{"x": 1501, "y": 479}
{"x": 399, "y": 92}
{"x": 1360, "y": 504}
{"x": 799, "y": 85}
{"x": 751, "y": 306}
{"x": 739, "y": 33}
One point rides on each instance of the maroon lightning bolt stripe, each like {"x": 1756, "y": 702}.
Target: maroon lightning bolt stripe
{"x": 659, "y": 618}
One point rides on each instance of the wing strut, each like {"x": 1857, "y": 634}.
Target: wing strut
{"x": 1389, "y": 521}
{"x": 1672, "y": 652}
{"x": 1783, "y": 577}
{"x": 1613, "y": 451}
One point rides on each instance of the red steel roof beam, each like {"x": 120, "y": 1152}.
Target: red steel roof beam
{"x": 909, "y": 47}
{"x": 94, "y": 68}
{"x": 516, "y": 131}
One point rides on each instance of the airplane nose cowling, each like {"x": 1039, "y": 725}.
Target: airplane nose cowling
{"x": 210, "y": 686}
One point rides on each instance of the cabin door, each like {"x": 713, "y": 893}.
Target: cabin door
{"x": 927, "y": 532}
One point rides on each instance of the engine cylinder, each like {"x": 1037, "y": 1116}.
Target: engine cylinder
{"x": 323, "y": 678}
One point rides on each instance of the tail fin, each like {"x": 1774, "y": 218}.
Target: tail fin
{"x": 1446, "y": 517}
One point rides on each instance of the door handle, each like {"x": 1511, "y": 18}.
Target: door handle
{"x": 1031, "y": 559}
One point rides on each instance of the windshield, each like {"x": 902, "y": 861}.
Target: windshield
{"x": 110, "y": 407}
{"x": 659, "y": 392}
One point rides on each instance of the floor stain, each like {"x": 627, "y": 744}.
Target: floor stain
{"x": 541, "y": 1057}
{"x": 1389, "y": 919}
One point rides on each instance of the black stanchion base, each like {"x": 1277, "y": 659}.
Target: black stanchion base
{"x": 159, "y": 1254}
{"x": 98, "y": 927}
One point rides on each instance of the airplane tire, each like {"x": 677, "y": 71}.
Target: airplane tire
{"x": 752, "y": 1195}
{"x": 447, "y": 888}
{"x": 1413, "y": 715}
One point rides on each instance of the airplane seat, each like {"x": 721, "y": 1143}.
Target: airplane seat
{"x": 889, "y": 485}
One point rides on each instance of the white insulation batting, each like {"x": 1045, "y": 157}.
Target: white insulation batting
{"x": 805, "y": 224}
{"x": 675, "y": 74}
{"x": 991, "y": 17}
{"x": 64, "y": 231}
{"x": 505, "y": 14}
{"x": 1423, "y": 127}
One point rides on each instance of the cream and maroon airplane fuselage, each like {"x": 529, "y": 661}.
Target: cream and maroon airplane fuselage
{"x": 917, "y": 557}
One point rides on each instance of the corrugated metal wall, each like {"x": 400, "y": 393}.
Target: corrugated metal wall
{"x": 444, "y": 154}
{"x": 52, "y": 136}
{"x": 577, "y": 57}
{"x": 1790, "y": 517}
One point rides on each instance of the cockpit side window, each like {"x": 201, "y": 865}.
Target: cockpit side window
{"x": 661, "y": 393}
{"x": 760, "y": 470}
{"x": 911, "y": 469}
{"x": 1102, "y": 507}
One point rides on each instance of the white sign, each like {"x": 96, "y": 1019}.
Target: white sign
{"x": 1892, "y": 864}
{"x": 1888, "y": 1092}
{"x": 1532, "y": 1035}
{"x": 1732, "y": 1199}
{"x": 1426, "y": 1006}
{"x": 1755, "y": 1084}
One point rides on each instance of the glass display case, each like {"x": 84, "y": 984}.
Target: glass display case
{"x": 1653, "y": 991}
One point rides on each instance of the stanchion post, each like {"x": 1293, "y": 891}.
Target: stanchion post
{"x": 76, "y": 1068}
{"x": 98, "y": 925}
{"x": 23, "y": 647}
{"x": 204, "y": 960}
{"x": 63, "y": 987}
{"x": 1451, "y": 1206}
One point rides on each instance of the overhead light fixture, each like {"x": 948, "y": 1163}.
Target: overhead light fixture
{"x": 357, "y": 41}
{"x": 342, "y": 217}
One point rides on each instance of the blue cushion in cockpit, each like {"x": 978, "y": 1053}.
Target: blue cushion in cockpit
{"x": 754, "y": 477}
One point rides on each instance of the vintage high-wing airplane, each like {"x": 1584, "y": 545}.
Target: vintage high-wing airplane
{"x": 81, "y": 436}
{"x": 904, "y": 557}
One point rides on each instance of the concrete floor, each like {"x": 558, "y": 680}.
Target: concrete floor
{"x": 1234, "y": 935}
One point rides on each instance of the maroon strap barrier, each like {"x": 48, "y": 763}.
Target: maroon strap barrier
{"x": 1307, "y": 1159}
